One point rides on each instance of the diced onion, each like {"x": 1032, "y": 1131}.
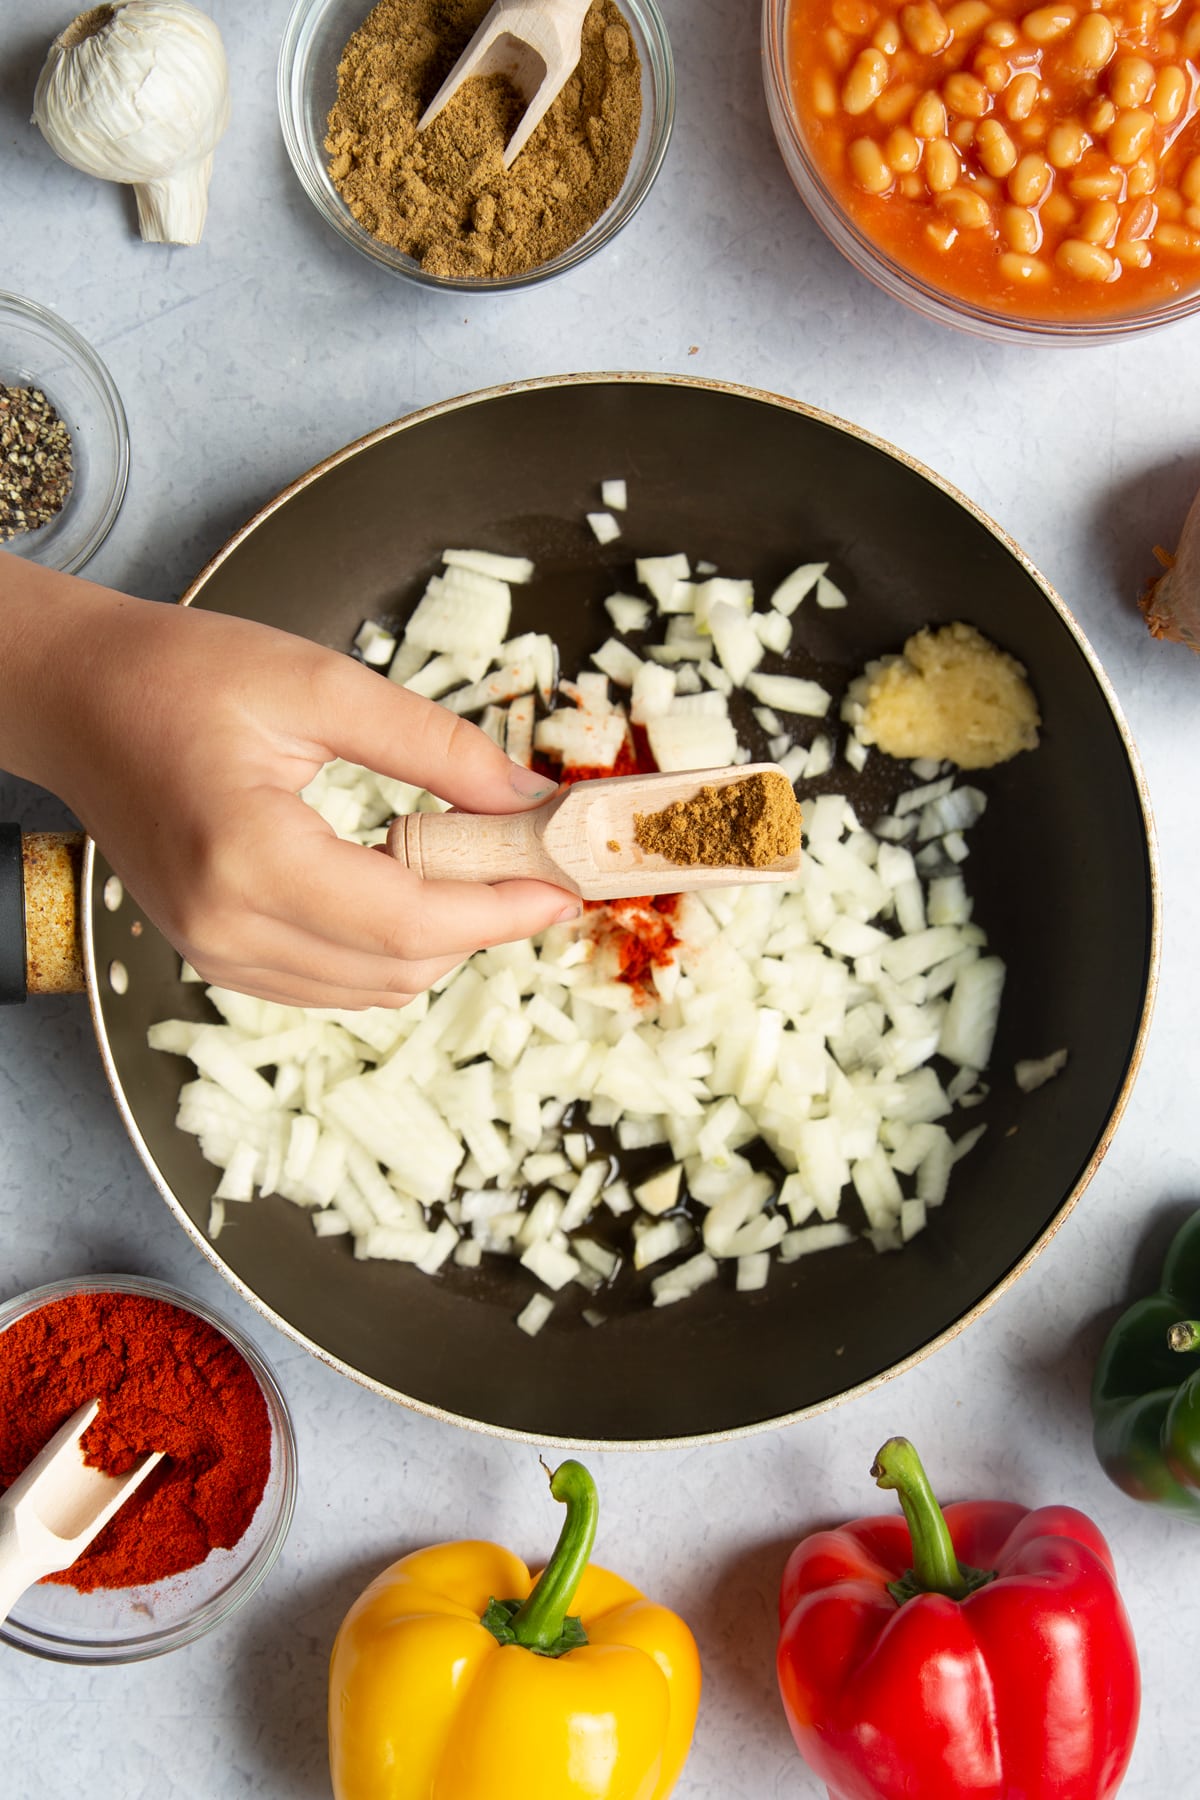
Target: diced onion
{"x": 828, "y": 594}
{"x": 802, "y": 1018}
{"x": 662, "y": 576}
{"x": 661, "y": 1192}
{"x": 605, "y": 528}
{"x": 534, "y": 1313}
{"x": 375, "y": 644}
{"x": 796, "y": 587}
{"x": 627, "y": 612}
{"x": 1034, "y": 1072}
{"x": 517, "y": 569}
{"x": 790, "y": 694}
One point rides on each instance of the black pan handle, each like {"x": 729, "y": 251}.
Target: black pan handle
{"x": 41, "y": 876}
{"x": 13, "y": 984}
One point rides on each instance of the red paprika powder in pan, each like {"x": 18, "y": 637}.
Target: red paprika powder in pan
{"x": 166, "y": 1380}
{"x": 638, "y": 932}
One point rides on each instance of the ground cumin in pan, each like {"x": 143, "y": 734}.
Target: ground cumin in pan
{"x": 746, "y": 825}
{"x": 443, "y": 195}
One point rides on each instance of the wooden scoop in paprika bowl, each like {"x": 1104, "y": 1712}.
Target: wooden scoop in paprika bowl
{"x": 57, "y": 1505}
{"x": 68, "y": 1334}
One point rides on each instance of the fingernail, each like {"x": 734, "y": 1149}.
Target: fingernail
{"x": 529, "y": 784}
{"x": 568, "y": 913}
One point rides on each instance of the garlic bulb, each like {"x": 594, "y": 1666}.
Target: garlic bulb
{"x": 138, "y": 91}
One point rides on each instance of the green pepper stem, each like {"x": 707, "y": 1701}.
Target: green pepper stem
{"x": 935, "y": 1567}
{"x": 538, "y": 1622}
{"x": 1185, "y": 1335}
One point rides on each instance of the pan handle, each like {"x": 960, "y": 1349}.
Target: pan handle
{"x": 41, "y": 877}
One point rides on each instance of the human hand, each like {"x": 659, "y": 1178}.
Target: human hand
{"x": 182, "y": 738}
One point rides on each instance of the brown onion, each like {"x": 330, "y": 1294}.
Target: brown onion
{"x": 1172, "y": 603}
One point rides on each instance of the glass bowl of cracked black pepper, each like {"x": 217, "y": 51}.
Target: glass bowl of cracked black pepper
{"x": 64, "y": 441}
{"x": 438, "y": 207}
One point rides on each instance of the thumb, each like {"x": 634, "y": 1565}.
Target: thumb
{"x": 396, "y": 733}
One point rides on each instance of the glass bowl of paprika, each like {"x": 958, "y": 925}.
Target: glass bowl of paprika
{"x": 437, "y": 206}
{"x": 205, "y": 1529}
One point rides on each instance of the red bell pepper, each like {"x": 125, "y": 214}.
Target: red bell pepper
{"x": 979, "y": 1652}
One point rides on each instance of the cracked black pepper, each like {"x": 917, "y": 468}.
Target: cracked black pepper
{"x": 36, "y": 466}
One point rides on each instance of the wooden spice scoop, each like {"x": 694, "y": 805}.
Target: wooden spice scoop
{"x": 536, "y": 44}
{"x": 56, "y": 1506}
{"x": 582, "y": 839}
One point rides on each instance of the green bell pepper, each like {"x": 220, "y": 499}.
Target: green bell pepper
{"x": 1146, "y": 1391}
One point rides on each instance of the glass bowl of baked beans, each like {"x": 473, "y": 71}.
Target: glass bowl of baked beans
{"x": 1000, "y": 167}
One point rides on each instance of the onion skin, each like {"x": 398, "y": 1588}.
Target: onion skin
{"x": 1171, "y": 605}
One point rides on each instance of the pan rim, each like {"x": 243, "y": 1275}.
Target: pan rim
{"x": 1116, "y": 1112}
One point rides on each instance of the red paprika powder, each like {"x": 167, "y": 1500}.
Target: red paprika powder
{"x": 640, "y": 934}
{"x": 630, "y": 761}
{"x": 638, "y": 931}
{"x": 166, "y": 1380}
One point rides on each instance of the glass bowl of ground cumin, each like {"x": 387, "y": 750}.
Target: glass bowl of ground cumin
{"x": 203, "y": 1531}
{"x": 438, "y": 207}
{"x": 64, "y": 441}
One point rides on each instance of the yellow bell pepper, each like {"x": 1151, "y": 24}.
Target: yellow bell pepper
{"x": 441, "y": 1690}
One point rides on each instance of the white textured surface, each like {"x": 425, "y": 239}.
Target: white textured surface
{"x": 241, "y": 363}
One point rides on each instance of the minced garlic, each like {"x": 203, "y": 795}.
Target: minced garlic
{"x": 952, "y": 696}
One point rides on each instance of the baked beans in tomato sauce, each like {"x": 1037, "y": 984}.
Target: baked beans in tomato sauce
{"x": 1042, "y": 161}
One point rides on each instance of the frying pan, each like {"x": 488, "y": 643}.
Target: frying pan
{"x": 1062, "y": 870}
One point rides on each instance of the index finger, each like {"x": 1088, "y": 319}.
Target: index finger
{"x": 369, "y": 720}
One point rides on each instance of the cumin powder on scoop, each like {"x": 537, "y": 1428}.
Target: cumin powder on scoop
{"x": 747, "y": 825}
{"x": 443, "y": 195}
